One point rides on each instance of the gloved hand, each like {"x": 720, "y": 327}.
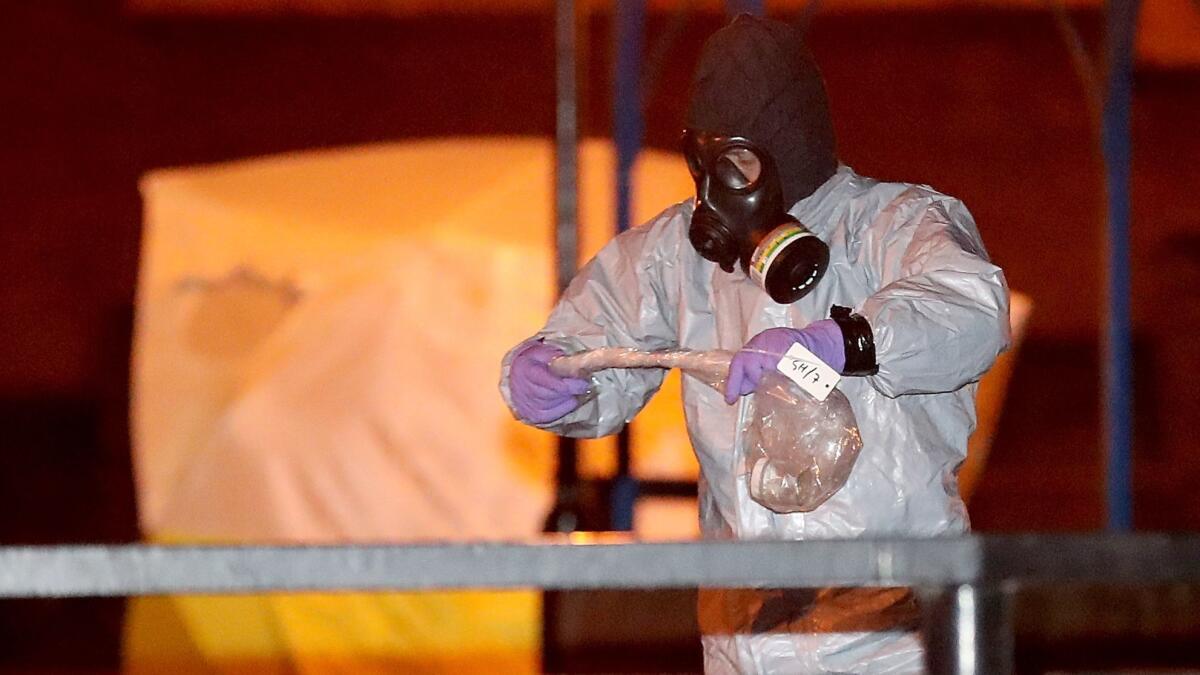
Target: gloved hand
{"x": 763, "y": 352}
{"x": 538, "y": 395}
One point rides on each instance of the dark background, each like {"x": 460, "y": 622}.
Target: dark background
{"x": 982, "y": 105}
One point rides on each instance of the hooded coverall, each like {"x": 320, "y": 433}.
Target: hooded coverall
{"x": 908, "y": 259}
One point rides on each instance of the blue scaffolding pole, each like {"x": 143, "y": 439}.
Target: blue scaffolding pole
{"x": 1121, "y": 21}
{"x": 629, "y": 36}
{"x": 755, "y": 7}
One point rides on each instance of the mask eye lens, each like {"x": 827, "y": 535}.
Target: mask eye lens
{"x": 738, "y": 168}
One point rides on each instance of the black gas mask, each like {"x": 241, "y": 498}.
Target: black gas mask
{"x": 739, "y": 217}
{"x": 759, "y": 140}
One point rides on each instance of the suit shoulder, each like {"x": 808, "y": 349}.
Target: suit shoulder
{"x": 664, "y": 231}
{"x": 907, "y": 203}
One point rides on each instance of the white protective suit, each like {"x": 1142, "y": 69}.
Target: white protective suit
{"x": 908, "y": 259}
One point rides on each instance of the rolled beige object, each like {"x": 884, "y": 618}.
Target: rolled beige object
{"x": 709, "y": 366}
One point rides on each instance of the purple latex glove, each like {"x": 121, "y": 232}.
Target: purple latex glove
{"x": 538, "y": 395}
{"x": 763, "y": 352}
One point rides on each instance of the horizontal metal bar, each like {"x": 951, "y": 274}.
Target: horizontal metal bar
{"x": 63, "y": 571}
{"x": 1109, "y": 559}
{"x": 667, "y": 488}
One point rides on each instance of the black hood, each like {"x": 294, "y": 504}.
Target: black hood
{"x": 757, "y": 79}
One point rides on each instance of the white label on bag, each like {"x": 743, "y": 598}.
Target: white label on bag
{"x": 812, "y": 374}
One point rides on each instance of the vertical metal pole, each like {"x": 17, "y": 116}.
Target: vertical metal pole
{"x": 1121, "y": 19}
{"x": 566, "y": 145}
{"x": 564, "y": 517}
{"x": 629, "y": 39}
{"x": 967, "y": 630}
{"x": 630, "y": 36}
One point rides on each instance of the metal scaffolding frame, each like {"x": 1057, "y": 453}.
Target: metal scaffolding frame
{"x": 1116, "y": 142}
{"x": 966, "y": 583}
{"x": 1112, "y": 104}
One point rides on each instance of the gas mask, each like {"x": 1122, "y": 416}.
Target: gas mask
{"x": 740, "y": 219}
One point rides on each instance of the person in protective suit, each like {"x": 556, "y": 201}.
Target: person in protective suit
{"x": 891, "y": 286}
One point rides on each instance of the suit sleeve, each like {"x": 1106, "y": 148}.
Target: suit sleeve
{"x": 940, "y": 317}
{"x": 621, "y": 298}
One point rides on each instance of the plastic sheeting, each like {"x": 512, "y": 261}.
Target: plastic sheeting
{"x": 801, "y": 448}
{"x": 989, "y": 398}
{"x": 315, "y": 356}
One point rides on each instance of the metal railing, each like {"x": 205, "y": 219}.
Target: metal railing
{"x": 965, "y": 583}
